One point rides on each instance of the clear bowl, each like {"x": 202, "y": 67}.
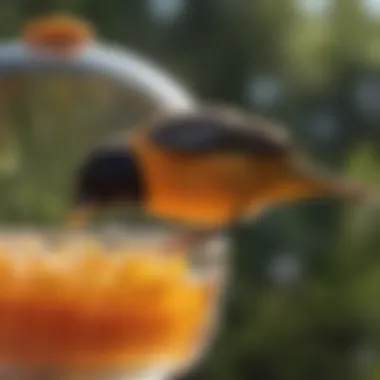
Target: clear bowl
{"x": 106, "y": 304}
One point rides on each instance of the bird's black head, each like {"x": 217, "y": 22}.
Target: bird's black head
{"x": 109, "y": 176}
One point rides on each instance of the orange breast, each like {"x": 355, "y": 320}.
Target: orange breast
{"x": 201, "y": 190}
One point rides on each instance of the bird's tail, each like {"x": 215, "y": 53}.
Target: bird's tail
{"x": 315, "y": 182}
{"x": 352, "y": 191}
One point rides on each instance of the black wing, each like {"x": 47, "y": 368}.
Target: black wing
{"x": 205, "y": 132}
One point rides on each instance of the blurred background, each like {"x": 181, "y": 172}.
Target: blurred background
{"x": 305, "y": 302}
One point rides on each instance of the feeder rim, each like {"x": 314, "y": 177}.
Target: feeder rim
{"x": 124, "y": 65}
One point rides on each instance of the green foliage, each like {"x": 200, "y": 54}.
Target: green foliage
{"x": 323, "y": 324}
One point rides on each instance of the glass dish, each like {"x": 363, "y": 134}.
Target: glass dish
{"x": 105, "y": 305}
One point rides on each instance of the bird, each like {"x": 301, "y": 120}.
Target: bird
{"x": 206, "y": 169}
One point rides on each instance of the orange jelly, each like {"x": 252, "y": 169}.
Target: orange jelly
{"x": 84, "y": 306}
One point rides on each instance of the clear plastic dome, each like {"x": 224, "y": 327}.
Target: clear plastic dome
{"x": 54, "y": 109}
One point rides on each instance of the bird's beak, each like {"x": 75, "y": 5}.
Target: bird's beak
{"x": 82, "y": 214}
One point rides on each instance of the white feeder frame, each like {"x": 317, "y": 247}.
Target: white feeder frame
{"x": 123, "y": 65}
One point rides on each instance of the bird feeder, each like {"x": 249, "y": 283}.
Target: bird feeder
{"x": 61, "y": 92}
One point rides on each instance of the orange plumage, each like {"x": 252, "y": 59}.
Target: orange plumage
{"x": 205, "y": 169}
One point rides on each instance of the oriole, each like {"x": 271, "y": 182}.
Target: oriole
{"x": 205, "y": 169}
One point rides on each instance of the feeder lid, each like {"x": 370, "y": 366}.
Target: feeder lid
{"x": 58, "y": 34}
